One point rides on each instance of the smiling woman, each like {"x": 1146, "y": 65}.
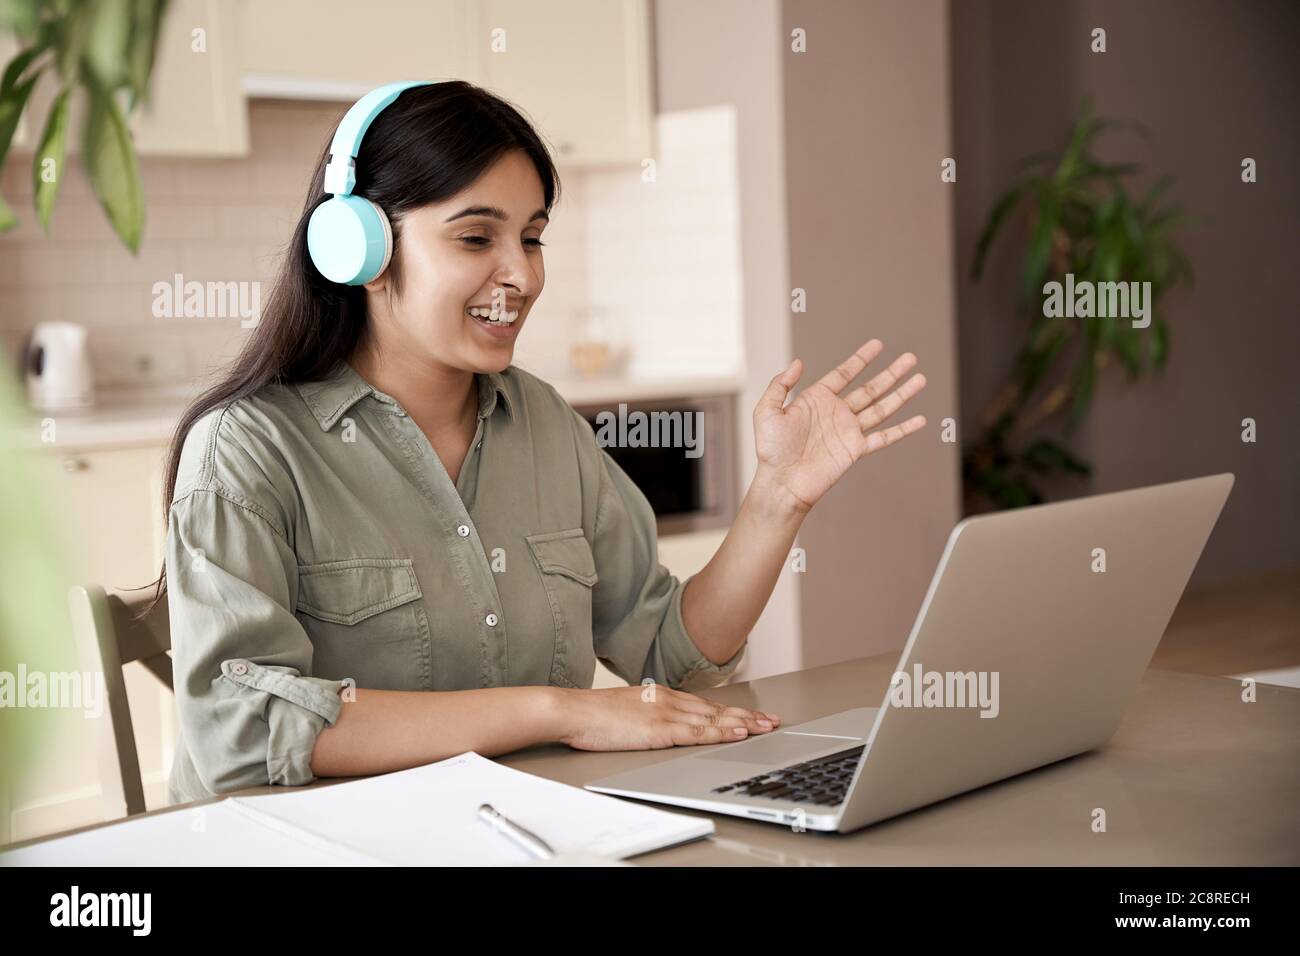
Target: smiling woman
{"x": 386, "y": 545}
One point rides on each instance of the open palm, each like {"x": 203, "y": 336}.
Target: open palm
{"x": 807, "y": 445}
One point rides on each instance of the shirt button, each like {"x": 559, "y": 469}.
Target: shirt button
{"x": 239, "y": 667}
{"x": 401, "y": 414}
{"x": 478, "y": 446}
{"x": 491, "y": 620}
{"x": 463, "y": 531}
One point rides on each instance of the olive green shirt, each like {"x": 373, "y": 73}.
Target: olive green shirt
{"x": 316, "y": 542}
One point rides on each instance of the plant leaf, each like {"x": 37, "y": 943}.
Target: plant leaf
{"x": 1001, "y": 209}
{"x": 12, "y": 102}
{"x": 1085, "y": 130}
{"x": 146, "y": 31}
{"x": 54, "y": 145}
{"x": 1159, "y": 347}
{"x": 21, "y": 16}
{"x": 1085, "y": 378}
{"x": 1148, "y": 201}
{"x": 16, "y": 66}
{"x": 1047, "y": 455}
{"x": 1128, "y": 343}
{"x": 1040, "y": 250}
{"x": 74, "y": 28}
{"x": 110, "y": 161}
{"x": 7, "y": 218}
{"x": 107, "y": 42}
{"x": 1089, "y": 170}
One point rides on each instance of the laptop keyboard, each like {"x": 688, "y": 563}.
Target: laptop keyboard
{"x": 823, "y": 781}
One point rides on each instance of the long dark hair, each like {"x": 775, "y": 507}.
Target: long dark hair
{"x": 425, "y": 147}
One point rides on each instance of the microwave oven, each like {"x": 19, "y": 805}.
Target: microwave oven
{"x": 681, "y": 453}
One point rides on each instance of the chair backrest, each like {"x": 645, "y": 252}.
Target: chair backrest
{"x": 109, "y": 636}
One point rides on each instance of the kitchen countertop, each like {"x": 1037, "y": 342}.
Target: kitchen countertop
{"x": 143, "y": 418}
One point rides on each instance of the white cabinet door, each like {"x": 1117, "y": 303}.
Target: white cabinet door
{"x": 197, "y": 105}
{"x": 580, "y": 69}
{"x": 108, "y": 507}
{"x": 338, "y": 49}
{"x": 109, "y": 522}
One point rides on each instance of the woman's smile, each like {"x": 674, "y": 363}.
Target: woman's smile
{"x": 503, "y": 329}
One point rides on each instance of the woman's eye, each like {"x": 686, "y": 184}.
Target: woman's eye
{"x": 481, "y": 241}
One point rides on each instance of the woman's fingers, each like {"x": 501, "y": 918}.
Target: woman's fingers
{"x": 837, "y": 379}
{"x": 879, "y": 410}
{"x": 697, "y": 710}
{"x": 778, "y": 390}
{"x": 692, "y": 728}
{"x": 861, "y": 398}
{"x": 698, "y": 705}
{"x": 887, "y": 436}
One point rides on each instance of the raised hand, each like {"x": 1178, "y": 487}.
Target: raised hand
{"x": 806, "y": 446}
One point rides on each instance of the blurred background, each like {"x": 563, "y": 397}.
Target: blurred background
{"x": 744, "y": 181}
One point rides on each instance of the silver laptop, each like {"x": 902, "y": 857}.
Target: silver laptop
{"x": 1035, "y": 631}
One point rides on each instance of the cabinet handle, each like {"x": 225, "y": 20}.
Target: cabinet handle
{"x": 75, "y": 464}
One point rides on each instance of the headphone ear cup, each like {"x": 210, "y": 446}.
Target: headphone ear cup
{"x": 349, "y": 240}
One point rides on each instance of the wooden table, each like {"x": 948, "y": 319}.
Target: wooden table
{"x": 1194, "y": 776}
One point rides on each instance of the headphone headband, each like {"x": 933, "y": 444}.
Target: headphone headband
{"x": 349, "y": 238}
{"x": 341, "y": 172}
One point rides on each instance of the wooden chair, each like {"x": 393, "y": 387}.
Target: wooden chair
{"x": 108, "y": 637}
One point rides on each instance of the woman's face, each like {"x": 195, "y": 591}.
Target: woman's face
{"x": 480, "y": 249}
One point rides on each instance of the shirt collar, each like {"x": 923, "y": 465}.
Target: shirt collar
{"x": 330, "y": 398}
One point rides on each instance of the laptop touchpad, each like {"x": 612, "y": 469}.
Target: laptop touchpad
{"x": 780, "y": 748}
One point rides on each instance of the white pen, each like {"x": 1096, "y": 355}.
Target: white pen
{"x": 502, "y": 824}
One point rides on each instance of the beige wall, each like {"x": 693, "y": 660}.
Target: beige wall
{"x": 867, "y": 124}
{"x": 729, "y": 51}
{"x": 1212, "y": 83}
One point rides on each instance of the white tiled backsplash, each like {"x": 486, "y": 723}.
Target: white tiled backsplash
{"x": 663, "y": 257}
{"x": 660, "y": 260}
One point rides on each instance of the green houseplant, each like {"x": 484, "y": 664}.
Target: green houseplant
{"x": 1082, "y": 220}
{"x": 102, "y": 50}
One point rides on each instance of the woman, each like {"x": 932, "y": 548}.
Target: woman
{"x": 387, "y": 546}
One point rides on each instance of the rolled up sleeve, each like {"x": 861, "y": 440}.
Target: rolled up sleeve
{"x": 250, "y": 711}
{"x": 637, "y": 604}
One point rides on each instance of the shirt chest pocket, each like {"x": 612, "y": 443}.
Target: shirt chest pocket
{"x": 568, "y": 573}
{"x": 366, "y": 621}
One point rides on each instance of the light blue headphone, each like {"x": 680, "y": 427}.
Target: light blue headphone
{"x": 349, "y": 238}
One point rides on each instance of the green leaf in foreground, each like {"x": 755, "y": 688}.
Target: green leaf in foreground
{"x": 112, "y": 168}
{"x": 12, "y": 101}
{"x": 47, "y": 167}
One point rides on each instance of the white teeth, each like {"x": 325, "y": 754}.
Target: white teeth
{"x": 493, "y": 316}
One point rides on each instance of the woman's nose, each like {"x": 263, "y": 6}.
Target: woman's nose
{"x": 518, "y": 274}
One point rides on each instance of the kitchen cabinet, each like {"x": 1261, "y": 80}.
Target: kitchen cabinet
{"x": 107, "y": 505}
{"x": 197, "y": 105}
{"x": 333, "y": 50}
{"x": 580, "y": 69}
{"x": 105, "y": 502}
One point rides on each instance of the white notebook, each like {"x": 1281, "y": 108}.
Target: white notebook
{"x": 423, "y": 816}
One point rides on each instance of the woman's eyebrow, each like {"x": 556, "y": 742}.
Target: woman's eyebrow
{"x": 494, "y": 212}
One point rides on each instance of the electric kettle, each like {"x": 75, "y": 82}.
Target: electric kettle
{"x": 57, "y": 366}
